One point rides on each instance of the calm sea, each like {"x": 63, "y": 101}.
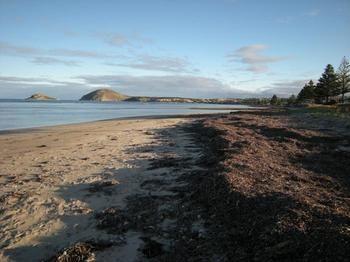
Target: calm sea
{"x": 16, "y": 114}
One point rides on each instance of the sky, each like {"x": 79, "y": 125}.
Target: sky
{"x": 187, "y": 48}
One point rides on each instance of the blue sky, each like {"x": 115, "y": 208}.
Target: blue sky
{"x": 198, "y": 48}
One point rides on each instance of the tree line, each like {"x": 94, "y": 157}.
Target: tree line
{"x": 330, "y": 85}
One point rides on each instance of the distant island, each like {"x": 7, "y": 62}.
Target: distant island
{"x": 39, "y": 96}
{"x": 103, "y": 95}
{"x": 107, "y": 95}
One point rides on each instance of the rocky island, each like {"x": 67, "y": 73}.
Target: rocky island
{"x": 103, "y": 95}
{"x": 39, "y": 97}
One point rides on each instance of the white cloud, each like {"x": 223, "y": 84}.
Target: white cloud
{"x": 43, "y": 60}
{"x": 158, "y": 63}
{"x": 79, "y": 53}
{"x": 27, "y": 51}
{"x": 31, "y": 80}
{"x": 53, "y": 56}
{"x": 252, "y": 56}
{"x": 10, "y": 49}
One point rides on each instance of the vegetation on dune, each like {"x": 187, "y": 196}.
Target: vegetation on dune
{"x": 326, "y": 112}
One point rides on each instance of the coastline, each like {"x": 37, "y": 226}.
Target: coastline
{"x": 32, "y": 115}
{"x": 147, "y": 117}
{"x": 136, "y": 188}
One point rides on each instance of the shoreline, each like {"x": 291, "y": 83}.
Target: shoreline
{"x": 172, "y": 188}
{"x": 26, "y": 117}
{"x": 155, "y": 117}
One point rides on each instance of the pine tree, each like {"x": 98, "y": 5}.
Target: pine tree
{"x": 327, "y": 85}
{"x": 307, "y": 92}
{"x": 344, "y": 77}
{"x": 310, "y": 90}
{"x": 301, "y": 96}
{"x": 274, "y": 100}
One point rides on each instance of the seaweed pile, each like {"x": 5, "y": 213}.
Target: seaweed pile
{"x": 272, "y": 191}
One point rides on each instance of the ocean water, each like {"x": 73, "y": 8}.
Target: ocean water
{"x": 15, "y": 114}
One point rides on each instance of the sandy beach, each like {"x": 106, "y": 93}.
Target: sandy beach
{"x": 174, "y": 131}
{"x": 254, "y": 185}
{"x": 54, "y": 180}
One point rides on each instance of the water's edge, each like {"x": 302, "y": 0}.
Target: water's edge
{"x": 22, "y": 114}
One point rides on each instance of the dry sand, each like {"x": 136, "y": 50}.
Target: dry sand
{"x": 55, "y": 180}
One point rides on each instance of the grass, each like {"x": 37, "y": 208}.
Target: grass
{"x": 324, "y": 111}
